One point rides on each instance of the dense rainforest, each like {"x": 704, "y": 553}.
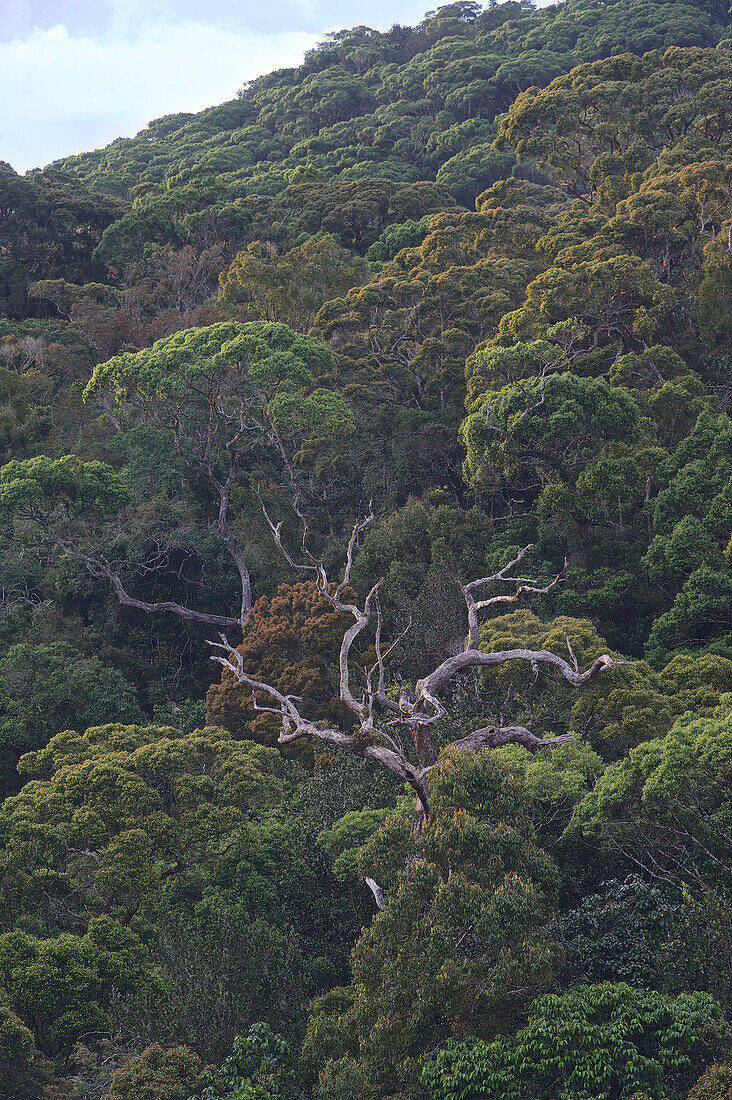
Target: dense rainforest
{"x": 366, "y": 601}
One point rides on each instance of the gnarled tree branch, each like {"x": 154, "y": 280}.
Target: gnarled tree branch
{"x": 419, "y": 708}
{"x": 100, "y": 568}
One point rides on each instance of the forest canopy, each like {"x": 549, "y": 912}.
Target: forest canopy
{"x": 365, "y": 588}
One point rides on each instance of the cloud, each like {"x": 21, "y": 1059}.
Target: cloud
{"x": 105, "y": 68}
{"x": 122, "y": 19}
{"x": 62, "y": 94}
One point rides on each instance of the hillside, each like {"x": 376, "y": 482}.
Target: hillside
{"x": 398, "y": 386}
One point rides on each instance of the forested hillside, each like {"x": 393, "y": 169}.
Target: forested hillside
{"x": 366, "y": 602}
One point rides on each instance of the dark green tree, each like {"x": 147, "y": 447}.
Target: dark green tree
{"x": 597, "y": 1040}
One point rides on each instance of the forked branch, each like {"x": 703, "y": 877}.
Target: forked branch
{"x": 295, "y": 726}
{"x": 100, "y": 568}
{"x": 524, "y": 584}
{"x": 363, "y": 708}
{"x": 418, "y": 709}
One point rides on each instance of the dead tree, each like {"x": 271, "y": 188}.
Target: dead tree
{"x": 398, "y": 733}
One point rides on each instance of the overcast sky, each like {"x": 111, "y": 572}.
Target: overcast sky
{"x": 75, "y": 74}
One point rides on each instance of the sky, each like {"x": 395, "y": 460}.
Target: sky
{"x": 75, "y": 74}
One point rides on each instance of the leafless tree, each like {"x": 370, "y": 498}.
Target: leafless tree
{"x": 398, "y": 733}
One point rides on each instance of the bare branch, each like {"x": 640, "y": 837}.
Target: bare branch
{"x": 501, "y": 574}
{"x": 571, "y": 653}
{"x": 295, "y": 726}
{"x": 276, "y": 529}
{"x": 347, "y": 697}
{"x": 313, "y": 565}
{"x": 525, "y": 584}
{"x": 101, "y": 569}
{"x": 222, "y": 523}
{"x": 495, "y": 736}
{"x": 380, "y": 694}
{"x": 475, "y": 658}
{"x": 419, "y": 708}
{"x": 352, "y": 544}
{"x": 376, "y": 891}
{"x": 362, "y": 616}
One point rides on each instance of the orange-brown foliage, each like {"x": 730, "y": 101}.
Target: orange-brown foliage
{"x": 291, "y": 641}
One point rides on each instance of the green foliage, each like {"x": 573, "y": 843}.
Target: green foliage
{"x": 260, "y": 377}
{"x": 339, "y": 785}
{"x": 221, "y": 969}
{"x": 48, "y": 687}
{"x": 21, "y": 1073}
{"x": 608, "y": 285}
{"x": 613, "y": 96}
{"x": 157, "y": 1074}
{"x": 698, "y": 950}
{"x": 544, "y": 433}
{"x": 63, "y": 986}
{"x": 50, "y": 224}
{"x": 258, "y": 1068}
{"x": 555, "y": 782}
{"x": 347, "y": 835}
{"x": 618, "y": 935}
{"x": 395, "y": 237}
{"x": 109, "y": 816}
{"x": 544, "y": 699}
{"x": 458, "y": 947}
{"x": 608, "y": 1041}
{"x": 42, "y": 485}
{"x": 289, "y": 288}
{"x": 260, "y": 357}
{"x": 471, "y": 171}
{"x": 476, "y": 272}
{"x": 679, "y": 784}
